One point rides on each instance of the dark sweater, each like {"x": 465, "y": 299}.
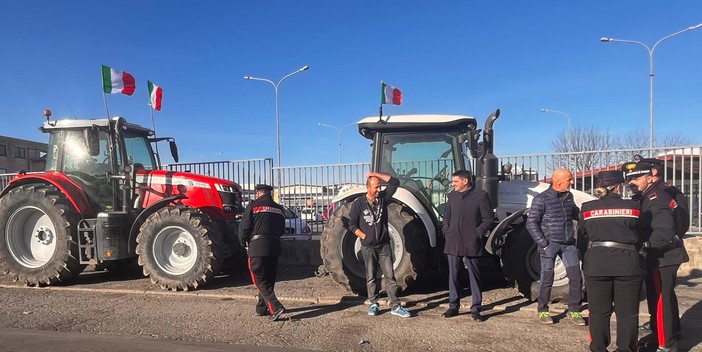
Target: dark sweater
{"x": 372, "y": 218}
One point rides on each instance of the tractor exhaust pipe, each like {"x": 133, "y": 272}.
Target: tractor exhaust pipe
{"x": 487, "y": 165}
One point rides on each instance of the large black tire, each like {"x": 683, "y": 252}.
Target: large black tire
{"x": 38, "y": 227}
{"x": 521, "y": 265}
{"x": 341, "y": 250}
{"x": 179, "y": 248}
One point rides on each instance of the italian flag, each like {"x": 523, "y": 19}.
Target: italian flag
{"x": 114, "y": 81}
{"x": 155, "y": 96}
{"x": 391, "y": 95}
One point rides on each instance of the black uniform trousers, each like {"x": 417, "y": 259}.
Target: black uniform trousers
{"x": 663, "y": 303}
{"x": 264, "y": 271}
{"x": 623, "y": 291}
{"x": 455, "y": 264}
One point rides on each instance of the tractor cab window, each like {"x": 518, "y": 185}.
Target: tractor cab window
{"x": 89, "y": 171}
{"x": 423, "y": 163}
{"x": 77, "y": 159}
{"x": 139, "y": 151}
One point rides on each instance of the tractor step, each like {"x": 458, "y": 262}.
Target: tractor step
{"x": 87, "y": 250}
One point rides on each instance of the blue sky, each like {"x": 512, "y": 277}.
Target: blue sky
{"x": 449, "y": 57}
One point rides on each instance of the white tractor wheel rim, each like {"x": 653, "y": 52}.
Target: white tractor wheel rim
{"x": 30, "y": 237}
{"x": 175, "y": 250}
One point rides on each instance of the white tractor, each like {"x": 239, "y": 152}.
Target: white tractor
{"x": 423, "y": 151}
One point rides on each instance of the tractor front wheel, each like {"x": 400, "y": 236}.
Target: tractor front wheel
{"x": 341, "y": 250}
{"x": 179, "y": 248}
{"x": 521, "y": 265}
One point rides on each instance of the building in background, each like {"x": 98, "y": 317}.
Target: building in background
{"x": 19, "y": 154}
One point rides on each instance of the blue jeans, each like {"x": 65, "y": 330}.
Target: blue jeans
{"x": 374, "y": 257}
{"x": 569, "y": 256}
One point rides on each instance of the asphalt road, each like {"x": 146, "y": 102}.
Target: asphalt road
{"x": 105, "y": 312}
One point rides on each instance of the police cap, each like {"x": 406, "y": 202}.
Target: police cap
{"x": 609, "y": 178}
{"x": 263, "y": 187}
{"x": 635, "y": 169}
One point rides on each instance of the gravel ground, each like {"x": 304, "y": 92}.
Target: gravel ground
{"x": 320, "y": 315}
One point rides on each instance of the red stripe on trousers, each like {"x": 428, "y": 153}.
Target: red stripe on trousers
{"x": 253, "y": 279}
{"x": 656, "y": 276}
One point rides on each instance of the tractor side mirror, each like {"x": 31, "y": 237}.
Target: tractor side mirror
{"x": 93, "y": 141}
{"x": 174, "y": 150}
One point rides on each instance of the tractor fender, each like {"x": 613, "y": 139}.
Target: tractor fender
{"x": 154, "y": 207}
{"x": 498, "y": 235}
{"x": 74, "y": 194}
{"x": 403, "y": 196}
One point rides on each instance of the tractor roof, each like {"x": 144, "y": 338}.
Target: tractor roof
{"x": 47, "y": 126}
{"x": 415, "y": 123}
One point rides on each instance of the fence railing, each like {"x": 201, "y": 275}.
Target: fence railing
{"x": 315, "y": 186}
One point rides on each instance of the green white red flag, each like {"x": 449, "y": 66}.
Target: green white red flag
{"x": 390, "y": 95}
{"x": 155, "y": 96}
{"x": 114, "y": 81}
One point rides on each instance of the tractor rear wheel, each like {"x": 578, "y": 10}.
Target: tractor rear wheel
{"x": 341, "y": 250}
{"x": 521, "y": 265}
{"x": 38, "y": 228}
{"x": 179, "y": 248}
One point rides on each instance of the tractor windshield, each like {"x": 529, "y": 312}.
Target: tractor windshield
{"x": 423, "y": 162}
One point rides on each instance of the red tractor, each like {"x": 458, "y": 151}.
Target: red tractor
{"x": 103, "y": 200}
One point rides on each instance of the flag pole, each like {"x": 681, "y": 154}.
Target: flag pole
{"x": 153, "y": 127}
{"x": 104, "y": 99}
{"x": 380, "y": 110}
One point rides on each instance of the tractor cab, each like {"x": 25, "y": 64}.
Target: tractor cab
{"x": 100, "y": 155}
{"x": 422, "y": 151}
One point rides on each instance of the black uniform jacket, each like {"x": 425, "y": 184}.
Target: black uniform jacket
{"x": 265, "y": 218}
{"x": 611, "y": 219}
{"x": 681, "y": 213}
{"x": 467, "y": 219}
{"x": 372, "y": 219}
{"x": 658, "y": 228}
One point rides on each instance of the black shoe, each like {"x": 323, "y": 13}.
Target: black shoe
{"x": 477, "y": 317}
{"x": 645, "y": 326}
{"x": 450, "y": 313}
{"x": 262, "y": 313}
{"x": 277, "y": 314}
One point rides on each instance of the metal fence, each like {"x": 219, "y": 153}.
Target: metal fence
{"x": 315, "y": 186}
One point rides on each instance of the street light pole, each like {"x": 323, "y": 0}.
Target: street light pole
{"x": 277, "y": 111}
{"x": 651, "y": 74}
{"x": 567, "y": 117}
{"x": 338, "y": 131}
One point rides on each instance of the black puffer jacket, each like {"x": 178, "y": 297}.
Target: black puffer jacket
{"x": 551, "y": 218}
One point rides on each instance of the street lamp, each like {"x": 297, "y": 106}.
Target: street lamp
{"x": 562, "y": 113}
{"x": 650, "y": 61}
{"x": 338, "y": 131}
{"x": 277, "y": 112}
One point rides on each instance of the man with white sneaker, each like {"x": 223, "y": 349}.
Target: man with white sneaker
{"x": 368, "y": 220}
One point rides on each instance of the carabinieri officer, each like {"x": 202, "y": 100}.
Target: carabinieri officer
{"x": 611, "y": 264}
{"x": 261, "y": 226}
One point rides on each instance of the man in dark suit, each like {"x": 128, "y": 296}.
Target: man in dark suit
{"x": 466, "y": 221}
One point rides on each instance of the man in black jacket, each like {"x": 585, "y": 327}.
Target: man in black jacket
{"x": 466, "y": 221}
{"x": 368, "y": 220}
{"x": 664, "y": 251}
{"x": 550, "y": 224}
{"x": 261, "y": 226}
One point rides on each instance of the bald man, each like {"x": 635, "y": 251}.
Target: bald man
{"x": 550, "y": 224}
